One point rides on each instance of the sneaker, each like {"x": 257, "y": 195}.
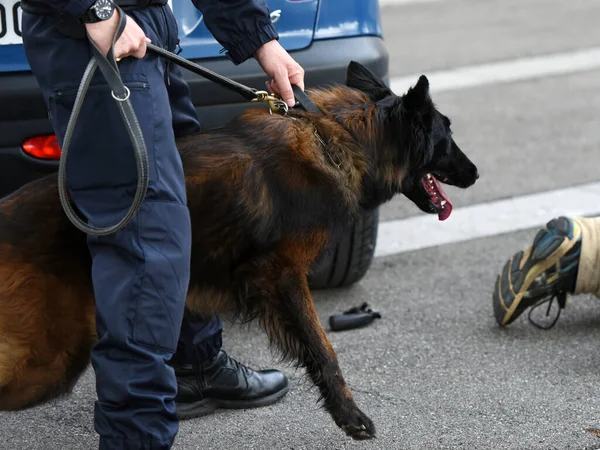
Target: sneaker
{"x": 544, "y": 271}
{"x": 225, "y": 383}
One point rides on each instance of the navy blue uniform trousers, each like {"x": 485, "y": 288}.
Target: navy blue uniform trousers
{"x": 141, "y": 273}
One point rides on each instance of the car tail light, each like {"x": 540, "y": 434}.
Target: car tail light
{"x": 43, "y": 147}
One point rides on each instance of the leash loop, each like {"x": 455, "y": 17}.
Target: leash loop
{"x": 121, "y": 94}
{"x": 127, "y": 94}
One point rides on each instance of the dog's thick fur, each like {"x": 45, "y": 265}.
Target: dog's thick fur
{"x": 265, "y": 198}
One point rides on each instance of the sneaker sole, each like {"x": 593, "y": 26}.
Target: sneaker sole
{"x": 523, "y": 268}
{"x": 186, "y": 411}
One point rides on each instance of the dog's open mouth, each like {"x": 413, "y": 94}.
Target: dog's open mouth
{"x": 438, "y": 196}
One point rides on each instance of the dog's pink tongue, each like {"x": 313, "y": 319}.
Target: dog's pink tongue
{"x": 445, "y": 210}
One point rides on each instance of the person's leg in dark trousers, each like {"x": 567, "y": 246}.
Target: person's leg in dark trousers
{"x": 141, "y": 273}
{"x": 200, "y": 340}
{"x": 207, "y": 377}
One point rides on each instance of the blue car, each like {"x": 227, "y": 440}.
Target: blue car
{"x": 322, "y": 35}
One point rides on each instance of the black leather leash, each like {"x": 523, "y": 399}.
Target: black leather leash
{"x": 109, "y": 68}
{"x": 304, "y": 101}
{"x": 245, "y": 91}
{"x": 120, "y": 92}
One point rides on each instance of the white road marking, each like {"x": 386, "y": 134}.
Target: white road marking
{"x": 486, "y": 219}
{"x": 504, "y": 71}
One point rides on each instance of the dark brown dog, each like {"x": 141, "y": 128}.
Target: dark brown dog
{"x": 266, "y": 194}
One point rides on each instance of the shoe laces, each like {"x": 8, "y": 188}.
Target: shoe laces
{"x": 238, "y": 366}
{"x": 561, "y": 297}
{"x": 200, "y": 370}
{"x": 555, "y": 284}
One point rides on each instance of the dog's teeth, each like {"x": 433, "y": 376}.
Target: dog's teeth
{"x": 444, "y": 202}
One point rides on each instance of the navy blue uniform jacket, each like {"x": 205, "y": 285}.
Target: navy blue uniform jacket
{"x": 240, "y": 26}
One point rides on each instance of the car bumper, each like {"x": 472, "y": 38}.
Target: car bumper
{"x": 23, "y": 113}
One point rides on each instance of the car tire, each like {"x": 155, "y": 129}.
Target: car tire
{"x": 346, "y": 262}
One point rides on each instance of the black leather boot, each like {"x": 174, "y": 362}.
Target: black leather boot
{"x": 225, "y": 383}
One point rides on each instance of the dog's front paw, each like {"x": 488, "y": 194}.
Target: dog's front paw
{"x": 357, "y": 425}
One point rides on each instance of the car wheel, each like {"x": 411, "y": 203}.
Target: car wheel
{"x": 347, "y": 261}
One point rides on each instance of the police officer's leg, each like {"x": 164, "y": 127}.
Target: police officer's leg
{"x": 207, "y": 377}
{"x": 141, "y": 273}
{"x": 200, "y": 340}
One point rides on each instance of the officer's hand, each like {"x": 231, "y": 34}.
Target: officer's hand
{"x": 282, "y": 68}
{"x": 131, "y": 42}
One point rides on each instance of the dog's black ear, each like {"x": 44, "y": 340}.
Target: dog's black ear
{"x": 361, "y": 78}
{"x": 417, "y": 97}
{"x": 418, "y": 102}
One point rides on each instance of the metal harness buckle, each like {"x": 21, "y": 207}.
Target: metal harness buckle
{"x": 276, "y": 105}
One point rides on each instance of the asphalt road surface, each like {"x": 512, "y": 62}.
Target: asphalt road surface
{"x": 436, "y": 372}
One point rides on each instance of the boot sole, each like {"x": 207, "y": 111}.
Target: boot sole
{"x": 523, "y": 268}
{"x": 186, "y": 411}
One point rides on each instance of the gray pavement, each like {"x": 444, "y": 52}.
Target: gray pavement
{"x": 436, "y": 372}
{"x": 453, "y": 33}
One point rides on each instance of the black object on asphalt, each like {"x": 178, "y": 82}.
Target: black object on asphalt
{"x": 356, "y": 317}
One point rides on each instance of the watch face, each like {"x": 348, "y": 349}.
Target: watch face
{"x": 104, "y": 9}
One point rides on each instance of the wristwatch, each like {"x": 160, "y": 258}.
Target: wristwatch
{"x": 99, "y": 11}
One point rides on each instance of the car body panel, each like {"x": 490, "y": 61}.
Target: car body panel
{"x": 298, "y": 23}
{"x": 322, "y": 35}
